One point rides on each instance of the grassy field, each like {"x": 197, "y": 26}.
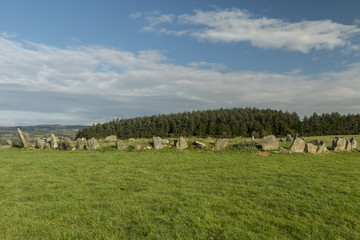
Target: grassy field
{"x": 171, "y": 194}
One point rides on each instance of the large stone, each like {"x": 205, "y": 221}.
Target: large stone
{"x": 298, "y": 145}
{"x": 221, "y": 144}
{"x": 199, "y": 144}
{"x": 111, "y": 138}
{"x": 157, "y": 143}
{"x": 322, "y": 148}
{"x": 353, "y": 143}
{"x": 339, "y": 145}
{"x": 9, "y": 142}
{"x": 68, "y": 144}
{"x": 181, "y": 143}
{"x": 92, "y": 144}
{"x": 120, "y": 145}
{"x": 247, "y": 143}
{"x": 80, "y": 143}
{"x": 22, "y": 138}
{"x": 288, "y": 138}
{"x": 348, "y": 145}
{"x": 270, "y": 143}
{"x": 53, "y": 141}
{"x": 310, "y": 148}
{"x": 39, "y": 143}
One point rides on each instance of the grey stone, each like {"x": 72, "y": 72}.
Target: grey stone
{"x": 22, "y": 138}
{"x": 283, "y": 150}
{"x": 339, "y": 145}
{"x": 92, "y": 144}
{"x": 181, "y": 143}
{"x": 247, "y": 143}
{"x": 199, "y": 144}
{"x": 270, "y": 143}
{"x": 9, "y": 142}
{"x": 310, "y": 148}
{"x": 353, "y": 143}
{"x": 221, "y": 144}
{"x": 288, "y": 138}
{"x": 157, "y": 143}
{"x": 111, "y": 138}
{"x": 47, "y": 146}
{"x": 298, "y": 145}
{"x": 68, "y": 144}
{"x": 39, "y": 143}
{"x": 137, "y": 147}
{"x": 164, "y": 141}
{"x": 120, "y": 145}
{"x": 348, "y": 145}
{"x": 53, "y": 141}
{"x": 80, "y": 143}
{"x": 322, "y": 148}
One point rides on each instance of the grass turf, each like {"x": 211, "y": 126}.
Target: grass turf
{"x": 170, "y": 194}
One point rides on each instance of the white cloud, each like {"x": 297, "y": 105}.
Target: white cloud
{"x": 241, "y": 26}
{"x": 95, "y": 83}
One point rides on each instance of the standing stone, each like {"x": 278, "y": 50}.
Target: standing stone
{"x": 339, "y": 144}
{"x": 137, "y": 147}
{"x": 310, "y": 148}
{"x": 22, "y": 138}
{"x": 68, "y": 144}
{"x": 199, "y": 144}
{"x": 53, "y": 142}
{"x": 353, "y": 143}
{"x": 111, "y": 138}
{"x": 247, "y": 143}
{"x": 120, "y": 145}
{"x": 298, "y": 145}
{"x": 92, "y": 144}
{"x": 47, "y": 146}
{"x": 27, "y": 138}
{"x": 221, "y": 144}
{"x": 181, "y": 143}
{"x": 61, "y": 146}
{"x": 288, "y": 138}
{"x": 80, "y": 142}
{"x": 157, "y": 143}
{"x": 270, "y": 143}
{"x": 39, "y": 143}
{"x": 322, "y": 149}
{"x": 9, "y": 142}
{"x": 348, "y": 145}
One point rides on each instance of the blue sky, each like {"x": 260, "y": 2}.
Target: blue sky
{"x": 82, "y": 62}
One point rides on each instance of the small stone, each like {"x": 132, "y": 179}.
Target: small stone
{"x": 221, "y": 144}
{"x": 247, "y": 143}
{"x": 137, "y": 147}
{"x": 288, "y": 138}
{"x": 199, "y": 144}
{"x": 111, "y": 138}
{"x": 120, "y": 145}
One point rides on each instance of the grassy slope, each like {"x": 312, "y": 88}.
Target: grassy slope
{"x": 172, "y": 194}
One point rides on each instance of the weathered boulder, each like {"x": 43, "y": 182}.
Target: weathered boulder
{"x": 288, "y": 138}
{"x": 92, "y": 144}
{"x": 157, "y": 143}
{"x": 22, "y": 138}
{"x": 199, "y": 144}
{"x": 298, "y": 145}
{"x": 310, "y": 148}
{"x": 47, "y": 146}
{"x": 348, "y": 145}
{"x": 353, "y": 143}
{"x": 247, "y": 143}
{"x": 120, "y": 145}
{"x": 9, "y": 142}
{"x": 137, "y": 147}
{"x": 53, "y": 141}
{"x": 221, "y": 144}
{"x": 61, "y": 146}
{"x": 80, "y": 143}
{"x": 68, "y": 144}
{"x": 322, "y": 148}
{"x": 181, "y": 143}
{"x": 339, "y": 145}
{"x": 270, "y": 143}
{"x": 39, "y": 143}
{"x": 111, "y": 138}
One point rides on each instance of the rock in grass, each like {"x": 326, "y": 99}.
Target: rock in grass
{"x": 310, "y": 148}
{"x": 137, "y": 147}
{"x": 288, "y": 138}
{"x": 9, "y": 142}
{"x": 53, "y": 141}
{"x": 247, "y": 144}
{"x": 120, "y": 145}
{"x": 39, "y": 143}
{"x": 22, "y": 138}
{"x": 298, "y": 145}
{"x": 111, "y": 138}
{"x": 68, "y": 144}
{"x": 270, "y": 143}
{"x": 157, "y": 143}
{"x": 353, "y": 143}
{"x": 221, "y": 144}
{"x": 199, "y": 144}
{"x": 339, "y": 145}
{"x": 322, "y": 149}
{"x": 181, "y": 143}
{"x": 80, "y": 143}
{"x": 92, "y": 144}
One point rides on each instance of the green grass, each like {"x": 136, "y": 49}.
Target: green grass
{"x": 170, "y": 194}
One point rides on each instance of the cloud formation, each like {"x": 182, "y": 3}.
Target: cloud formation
{"x": 237, "y": 25}
{"x": 93, "y": 83}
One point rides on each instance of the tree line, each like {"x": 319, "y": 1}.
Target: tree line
{"x": 227, "y": 123}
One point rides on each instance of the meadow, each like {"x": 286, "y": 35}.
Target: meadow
{"x": 172, "y": 194}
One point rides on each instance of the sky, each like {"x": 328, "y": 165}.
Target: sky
{"x": 90, "y": 61}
